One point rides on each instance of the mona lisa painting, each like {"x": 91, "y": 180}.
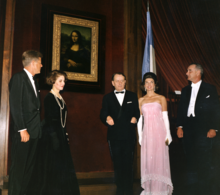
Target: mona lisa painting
{"x": 75, "y": 47}
{"x": 75, "y": 54}
{"x": 73, "y": 41}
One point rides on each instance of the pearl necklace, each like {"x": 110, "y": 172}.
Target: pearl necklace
{"x": 61, "y": 108}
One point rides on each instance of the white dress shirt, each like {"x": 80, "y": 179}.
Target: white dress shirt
{"x": 30, "y": 76}
{"x": 194, "y": 93}
{"x": 120, "y": 96}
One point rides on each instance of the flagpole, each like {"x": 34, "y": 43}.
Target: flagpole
{"x": 149, "y": 62}
{"x": 148, "y": 5}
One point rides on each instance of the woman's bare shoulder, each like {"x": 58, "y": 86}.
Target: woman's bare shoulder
{"x": 161, "y": 97}
{"x": 140, "y": 100}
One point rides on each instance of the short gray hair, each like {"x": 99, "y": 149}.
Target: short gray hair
{"x": 198, "y": 67}
{"x": 29, "y": 56}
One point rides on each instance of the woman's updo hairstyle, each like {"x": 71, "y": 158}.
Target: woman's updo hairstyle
{"x": 53, "y": 75}
{"x": 150, "y": 75}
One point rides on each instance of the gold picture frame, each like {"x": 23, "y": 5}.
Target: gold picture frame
{"x": 75, "y": 23}
{"x": 84, "y": 62}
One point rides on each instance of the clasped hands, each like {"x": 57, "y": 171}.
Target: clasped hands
{"x": 71, "y": 63}
{"x": 211, "y": 133}
{"x": 110, "y": 120}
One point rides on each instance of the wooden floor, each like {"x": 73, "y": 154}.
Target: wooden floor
{"x": 96, "y": 189}
{"x": 104, "y": 189}
{"x": 107, "y": 187}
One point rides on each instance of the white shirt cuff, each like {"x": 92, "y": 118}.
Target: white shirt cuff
{"x": 22, "y": 130}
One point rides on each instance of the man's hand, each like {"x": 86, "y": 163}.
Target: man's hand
{"x": 180, "y": 132}
{"x": 133, "y": 120}
{"x": 72, "y": 63}
{"x": 109, "y": 120}
{"x": 211, "y": 133}
{"x": 24, "y": 136}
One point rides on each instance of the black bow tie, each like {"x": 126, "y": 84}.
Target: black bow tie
{"x": 117, "y": 92}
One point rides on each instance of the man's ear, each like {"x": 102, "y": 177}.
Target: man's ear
{"x": 113, "y": 84}
{"x": 32, "y": 62}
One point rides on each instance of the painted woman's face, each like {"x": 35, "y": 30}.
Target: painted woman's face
{"x": 149, "y": 84}
{"x": 74, "y": 37}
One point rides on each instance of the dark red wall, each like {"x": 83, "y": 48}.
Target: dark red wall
{"x": 87, "y": 134}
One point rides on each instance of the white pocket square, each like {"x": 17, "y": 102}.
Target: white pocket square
{"x": 208, "y": 96}
{"x": 129, "y": 102}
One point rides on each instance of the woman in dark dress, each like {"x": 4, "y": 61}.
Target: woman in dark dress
{"x": 77, "y": 57}
{"x": 58, "y": 174}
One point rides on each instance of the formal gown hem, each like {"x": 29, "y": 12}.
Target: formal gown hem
{"x": 154, "y": 177}
{"x": 154, "y": 193}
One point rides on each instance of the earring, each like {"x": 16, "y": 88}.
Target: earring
{"x": 154, "y": 88}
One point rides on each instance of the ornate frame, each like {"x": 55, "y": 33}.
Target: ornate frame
{"x": 52, "y": 18}
{"x": 58, "y": 20}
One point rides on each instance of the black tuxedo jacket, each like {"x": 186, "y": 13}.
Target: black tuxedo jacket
{"x": 207, "y": 107}
{"x": 122, "y": 129}
{"x": 24, "y": 105}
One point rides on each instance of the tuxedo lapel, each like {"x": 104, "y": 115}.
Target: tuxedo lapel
{"x": 37, "y": 90}
{"x": 188, "y": 95}
{"x": 115, "y": 100}
{"x": 200, "y": 92}
{"x": 29, "y": 82}
{"x": 31, "y": 86}
{"x": 125, "y": 100}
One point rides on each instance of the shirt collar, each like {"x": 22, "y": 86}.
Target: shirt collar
{"x": 197, "y": 85}
{"x": 29, "y": 74}
{"x": 120, "y": 91}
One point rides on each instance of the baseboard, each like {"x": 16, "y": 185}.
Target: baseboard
{"x": 94, "y": 175}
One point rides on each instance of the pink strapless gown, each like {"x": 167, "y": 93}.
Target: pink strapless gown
{"x": 155, "y": 164}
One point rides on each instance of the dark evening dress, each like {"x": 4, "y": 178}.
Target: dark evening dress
{"x": 58, "y": 175}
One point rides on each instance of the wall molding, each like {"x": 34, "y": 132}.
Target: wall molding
{"x": 133, "y": 57}
{"x": 94, "y": 175}
{"x": 6, "y": 75}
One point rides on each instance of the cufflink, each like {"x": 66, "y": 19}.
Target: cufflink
{"x": 129, "y": 102}
{"x": 208, "y": 96}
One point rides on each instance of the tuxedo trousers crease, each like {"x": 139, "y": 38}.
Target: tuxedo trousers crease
{"x": 23, "y": 156}
{"x": 122, "y": 153}
{"x": 198, "y": 150}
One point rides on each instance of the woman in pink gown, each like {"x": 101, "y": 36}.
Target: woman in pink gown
{"x": 154, "y": 138}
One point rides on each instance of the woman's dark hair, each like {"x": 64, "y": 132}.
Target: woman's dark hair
{"x": 150, "y": 75}
{"x": 79, "y": 38}
{"x": 53, "y": 75}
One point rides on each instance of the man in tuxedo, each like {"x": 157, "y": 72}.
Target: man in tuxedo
{"x": 198, "y": 122}
{"x": 120, "y": 112}
{"x": 25, "y": 112}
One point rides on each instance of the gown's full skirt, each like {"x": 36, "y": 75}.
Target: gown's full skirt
{"x": 55, "y": 170}
{"x": 155, "y": 165}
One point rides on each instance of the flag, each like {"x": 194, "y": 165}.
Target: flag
{"x": 149, "y": 62}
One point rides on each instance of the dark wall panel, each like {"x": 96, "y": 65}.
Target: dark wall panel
{"x": 87, "y": 134}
